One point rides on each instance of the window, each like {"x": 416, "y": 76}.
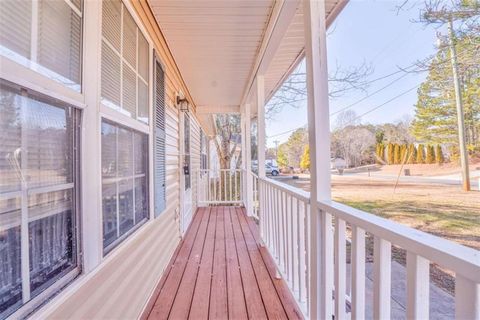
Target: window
{"x": 53, "y": 46}
{"x": 125, "y": 56}
{"x": 186, "y": 150}
{"x": 159, "y": 159}
{"x": 38, "y": 216}
{"x": 124, "y": 182}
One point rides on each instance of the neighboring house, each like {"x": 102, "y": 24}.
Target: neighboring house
{"x": 105, "y": 107}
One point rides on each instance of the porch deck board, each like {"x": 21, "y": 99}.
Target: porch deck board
{"x": 221, "y": 271}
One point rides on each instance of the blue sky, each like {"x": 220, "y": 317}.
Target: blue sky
{"x": 375, "y": 33}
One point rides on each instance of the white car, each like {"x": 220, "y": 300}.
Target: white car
{"x": 271, "y": 169}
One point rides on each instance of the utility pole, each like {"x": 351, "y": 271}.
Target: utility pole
{"x": 459, "y": 104}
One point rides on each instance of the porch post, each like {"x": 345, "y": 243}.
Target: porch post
{"x": 320, "y": 223}
{"x": 91, "y": 141}
{"x": 261, "y": 126}
{"x": 248, "y": 201}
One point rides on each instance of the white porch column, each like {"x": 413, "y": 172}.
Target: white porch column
{"x": 91, "y": 141}
{"x": 261, "y": 125}
{"x": 248, "y": 200}
{"x": 321, "y": 248}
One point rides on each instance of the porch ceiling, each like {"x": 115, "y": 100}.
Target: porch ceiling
{"x": 219, "y": 46}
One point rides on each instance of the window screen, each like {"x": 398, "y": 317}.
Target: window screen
{"x": 125, "y": 54}
{"x": 53, "y": 46}
{"x": 124, "y": 182}
{"x": 38, "y": 156}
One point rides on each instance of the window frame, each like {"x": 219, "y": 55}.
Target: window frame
{"x": 111, "y": 110}
{"x": 107, "y": 250}
{"x": 65, "y": 277}
{"x": 35, "y": 72}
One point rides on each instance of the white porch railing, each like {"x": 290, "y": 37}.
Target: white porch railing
{"x": 223, "y": 186}
{"x": 284, "y": 215}
{"x": 255, "y": 203}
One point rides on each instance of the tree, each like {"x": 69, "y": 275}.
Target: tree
{"x": 305, "y": 162}
{"x": 436, "y": 116}
{"x": 420, "y": 154}
{"x": 355, "y": 144}
{"x": 379, "y": 153}
{"x": 227, "y": 138}
{"x": 430, "y": 158}
{"x": 412, "y": 154}
{"x": 397, "y": 158}
{"x": 390, "y": 154}
{"x": 282, "y": 160}
{"x": 403, "y": 153}
{"x": 439, "y": 154}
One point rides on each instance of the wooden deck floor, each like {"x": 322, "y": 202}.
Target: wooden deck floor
{"x": 220, "y": 271}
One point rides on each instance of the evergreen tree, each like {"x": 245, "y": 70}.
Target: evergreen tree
{"x": 435, "y": 115}
{"x": 412, "y": 154}
{"x": 404, "y": 153}
{"x": 430, "y": 158}
{"x": 397, "y": 154}
{"x": 390, "y": 154}
{"x": 420, "y": 154}
{"x": 439, "y": 154}
{"x": 305, "y": 161}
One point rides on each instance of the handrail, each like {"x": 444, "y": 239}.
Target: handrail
{"x": 285, "y": 221}
{"x": 293, "y": 191}
{"x": 449, "y": 254}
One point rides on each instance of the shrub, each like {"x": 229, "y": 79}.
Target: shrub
{"x": 430, "y": 158}
{"x": 412, "y": 154}
{"x": 439, "y": 154}
{"x": 420, "y": 154}
{"x": 397, "y": 154}
{"x": 390, "y": 154}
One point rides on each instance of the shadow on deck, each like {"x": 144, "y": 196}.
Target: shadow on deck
{"x": 221, "y": 271}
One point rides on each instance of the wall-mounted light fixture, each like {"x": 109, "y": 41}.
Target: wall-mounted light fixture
{"x": 182, "y": 102}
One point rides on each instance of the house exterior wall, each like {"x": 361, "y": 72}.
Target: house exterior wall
{"x": 119, "y": 284}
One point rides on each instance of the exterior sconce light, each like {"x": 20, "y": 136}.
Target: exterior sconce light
{"x": 182, "y": 102}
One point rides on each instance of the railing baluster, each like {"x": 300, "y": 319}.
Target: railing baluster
{"x": 467, "y": 298}
{"x": 291, "y": 273}
{"x": 358, "y": 273}
{"x": 307, "y": 255}
{"x": 340, "y": 268}
{"x": 418, "y": 286}
{"x": 381, "y": 278}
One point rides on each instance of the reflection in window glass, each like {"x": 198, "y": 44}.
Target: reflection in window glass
{"x": 57, "y": 38}
{"x": 37, "y": 157}
{"x": 125, "y": 190}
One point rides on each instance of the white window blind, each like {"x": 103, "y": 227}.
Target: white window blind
{"x": 53, "y": 47}
{"x": 125, "y": 54}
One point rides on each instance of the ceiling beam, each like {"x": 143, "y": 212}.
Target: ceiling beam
{"x": 281, "y": 17}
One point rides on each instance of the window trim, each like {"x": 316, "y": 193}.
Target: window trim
{"x": 117, "y": 243}
{"x": 105, "y": 103}
{"x": 64, "y": 278}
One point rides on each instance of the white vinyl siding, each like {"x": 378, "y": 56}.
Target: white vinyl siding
{"x": 125, "y": 52}
{"x": 38, "y": 216}
{"x": 53, "y": 46}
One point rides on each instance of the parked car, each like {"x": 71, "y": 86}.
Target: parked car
{"x": 271, "y": 169}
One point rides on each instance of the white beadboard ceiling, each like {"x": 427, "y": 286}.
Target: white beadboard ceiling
{"x": 215, "y": 45}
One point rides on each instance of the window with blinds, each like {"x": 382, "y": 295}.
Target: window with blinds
{"x": 38, "y": 183}
{"x": 124, "y": 182}
{"x": 159, "y": 144}
{"x": 53, "y": 46}
{"x": 125, "y": 54}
